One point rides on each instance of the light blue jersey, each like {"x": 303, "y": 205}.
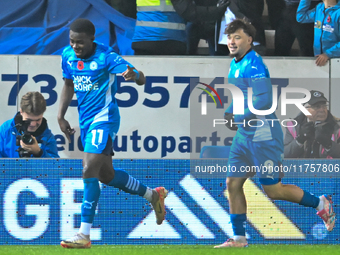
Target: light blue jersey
{"x": 95, "y": 84}
{"x": 250, "y": 71}
{"x": 255, "y": 144}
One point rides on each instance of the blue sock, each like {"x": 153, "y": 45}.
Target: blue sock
{"x": 238, "y": 222}
{"x": 127, "y": 183}
{"x": 309, "y": 200}
{"x": 90, "y": 199}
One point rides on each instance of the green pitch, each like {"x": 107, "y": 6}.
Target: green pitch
{"x": 170, "y": 250}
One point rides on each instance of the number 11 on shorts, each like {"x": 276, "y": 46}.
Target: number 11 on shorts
{"x": 97, "y": 137}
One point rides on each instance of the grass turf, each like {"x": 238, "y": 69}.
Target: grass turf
{"x": 170, "y": 249}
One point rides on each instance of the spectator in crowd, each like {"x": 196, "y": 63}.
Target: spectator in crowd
{"x": 252, "y": 12}
{"x": 202, "y": 30}
{"x": 160, "y": 26}
{"x": 27, "y": 134}
{"x": 326, "y": 19}
{"x": 288, "y": 29}
{"x": 275, "y": 8}
{"x": 316, "y": 135}
{"x": 126, "y": 7}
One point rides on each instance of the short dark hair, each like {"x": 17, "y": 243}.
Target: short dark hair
{"x": 33, "y": 103}
{"x": 83, "y": 26}
{"x": 237, "y": 24}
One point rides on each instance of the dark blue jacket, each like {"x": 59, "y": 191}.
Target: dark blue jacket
{"x": 8, "y": 147}
{"x": 326, "y": 27}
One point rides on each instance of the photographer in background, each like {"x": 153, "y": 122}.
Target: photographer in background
{"x": 27, "y": 134}
{"x": 316, "y": 135}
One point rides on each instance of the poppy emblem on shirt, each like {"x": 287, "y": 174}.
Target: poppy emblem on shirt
{"x": 80, "y": 65}
{"x": 328, "y": 19}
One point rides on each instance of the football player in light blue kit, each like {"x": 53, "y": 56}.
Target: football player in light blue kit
{"x": 89, "y": 70}
{"x": 261, "y": 142}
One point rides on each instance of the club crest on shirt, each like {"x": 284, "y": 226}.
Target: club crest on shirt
{"x": 237, "y": 73}
{"x": 317, "y": 24}
{"x": 93, "y": 65}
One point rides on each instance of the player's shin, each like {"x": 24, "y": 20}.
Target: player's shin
{"x": 238, "y": 223}
{"x": 309, "y": 200}
{"x": 90, "y": 201}
{"x": 239, "y": 239}
{"x": 129, "y": 184}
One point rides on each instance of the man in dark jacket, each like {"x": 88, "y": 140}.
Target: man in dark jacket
{"x": 288, "y": 29}
{"x": 316, "y": 135}
{"x": 202, "y": 30}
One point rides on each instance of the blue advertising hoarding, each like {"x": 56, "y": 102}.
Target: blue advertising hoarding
{"x": 40, "y": 204}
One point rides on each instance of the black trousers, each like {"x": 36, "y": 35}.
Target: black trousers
{"x": 289, "y": 29}
{"x": 253, "y": 9}
{"x": 200, "y": 30}
{"x": 275, "y": 8}
{"x": 168, "y": 47}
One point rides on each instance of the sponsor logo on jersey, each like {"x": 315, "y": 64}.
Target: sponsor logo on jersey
{"x": 328, "y": 28}
{"x": 84, "y": 83}
{"x": 82, "y": 79}
{"x": 258, "y": 76}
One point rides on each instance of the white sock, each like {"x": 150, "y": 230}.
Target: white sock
{"x": 148, "y": 194}
{"x": 240, "y": 239}
{"x": 320, "y": 206}
{"x": 85, "y": 228}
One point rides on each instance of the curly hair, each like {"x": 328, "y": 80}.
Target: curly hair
{"x": 237, "y": 24}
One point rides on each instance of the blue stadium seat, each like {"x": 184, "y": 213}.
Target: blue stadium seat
{"x": 215, "y": 152}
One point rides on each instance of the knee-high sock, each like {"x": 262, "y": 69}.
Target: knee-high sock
{"x": 309, "y": 200}
{"x": 127, "y": 183}
{"x": 237, "y": 222}
{"x": 90, "y": 200}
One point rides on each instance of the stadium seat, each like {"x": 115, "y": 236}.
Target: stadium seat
{"x": 215, "y": 152}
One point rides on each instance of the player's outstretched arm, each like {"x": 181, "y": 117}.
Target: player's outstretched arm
{"x": 132, "y": 74}
{"x": 65, "y": 100}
